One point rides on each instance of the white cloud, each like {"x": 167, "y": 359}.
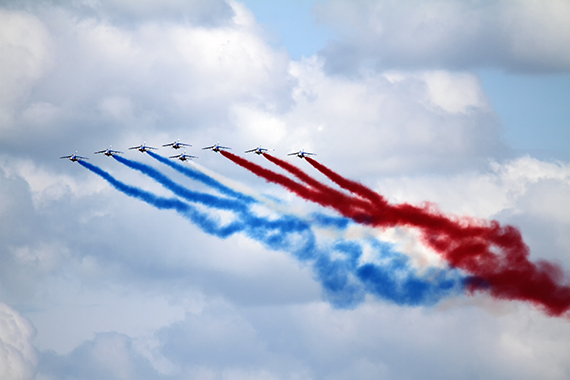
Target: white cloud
{"x": 25, "y": 55}
{"x": 18, "y": 358}
{"x": 455, "y": 92}
{"x": 399, "y": 121}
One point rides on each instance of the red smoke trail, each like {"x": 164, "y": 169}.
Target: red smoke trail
{"x": 497, "y": 255}
{"x": 326, "y": 200}
{"x": 352, "y": 186}
{"x": 333, "y": 195}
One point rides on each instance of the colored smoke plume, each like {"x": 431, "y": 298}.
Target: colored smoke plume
{"x": 495, "y": 254}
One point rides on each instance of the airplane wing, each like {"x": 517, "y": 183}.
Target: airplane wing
{"x": 208, "y": 147}
{"x": 294, "y": 153}
{"x": 310, "y": 154}
{"x": 178, "y": 155}
{"x": 135, "y": 147}
{"x": 101, "y": 151}
{"x": 251, "y": 150}
{"x": 67, "y": 156}
{"x": 82, "y": 158}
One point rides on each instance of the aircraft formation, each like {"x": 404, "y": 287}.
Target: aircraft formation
{"x": 182, "y": 157}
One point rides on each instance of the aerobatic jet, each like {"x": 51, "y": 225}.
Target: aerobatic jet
{"x": 258, "y": 150}
{"x": 177, "y": 144}
{"x": 142, "y": 148}
{"x": 109, "y": 152}
{"x": 217, "y": 147}
{"x": 75, "y": 157}
{"x": 183, "y": 156}
{"x": 302, "y": 154}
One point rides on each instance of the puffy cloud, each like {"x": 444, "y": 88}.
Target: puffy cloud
{"x": 18, "y": 358}
{"x": 519, "y": 36}
{"x": 315, "y": 341}
{"x": 165, "y": 300}
{"x": 109, "y": 356}
{"x": 389, "y": 122}
{"x": 25, "y": 55}
{"x": 109, "y": 82}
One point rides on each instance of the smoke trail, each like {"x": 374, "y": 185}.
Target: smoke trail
{"x": 192, "y": 196}
{"x": 335, "y": 197}
{"x": 472, "y": 245}
{"x": 352, "y": 186}
{"x": 345, "y": 208}
{"x": 347, "y": 281}
{"x": 199, "y": 176}
{"x": 344, "y": 281}
{"x": 224, "y": 204}
{"x": 205, "y": 223}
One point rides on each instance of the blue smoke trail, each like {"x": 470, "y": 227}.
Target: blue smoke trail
{"x": 208, "y": 225}
{"x": 394, "y": 281}
{"x": 192, "y": 196}
{"x": 338, "y": 222}
{"x": 344, "y": 281}
{"x": 205, "y": 179}
{"x": 318, "y": 219}
{"x": 288, "y": 224}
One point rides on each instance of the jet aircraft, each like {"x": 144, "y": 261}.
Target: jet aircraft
{"x": 217, "y": 147}
{"x": 302, "y": 154}
{"x": 75, "y": 157}
{"x": 258, "y": 150}
{"x": 142, "y": 148}
{"x": 183, "y": 156}
{"x": 177, "y": 144}
{"x": 109, "y": 152}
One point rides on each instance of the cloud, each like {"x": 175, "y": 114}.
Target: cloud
{"x": 129, "y": 12}
{"x": 108, "y": 356}
{"x": 529, "y": 36}
{"x": 117, "y": 289}
{"x": 390, "y": 121}
{"x": 25, "y": 56}
{"x": 18, "y": 358}
{"x": 315, "y": 341}
{"x": 109, "y": 82}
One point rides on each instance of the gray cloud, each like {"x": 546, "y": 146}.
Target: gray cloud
{"x": 529, "y": 36}
{"x": 130, "y": 13}
{"x": 108, "y": 356}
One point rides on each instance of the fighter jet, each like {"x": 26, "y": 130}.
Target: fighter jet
{"x": 217, "y": 147}
{"x": 109, "y": 152}
{"x": 302, "y": 154}
{"x": 142, "y": 148}
{"x": 75, "y": 157}
{"x": 183, "y": 156}
{"x": 258, "y": 150}
{"x": 177, "y": 144}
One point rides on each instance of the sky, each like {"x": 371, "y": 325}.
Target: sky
{"x": 110, "y": 269}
